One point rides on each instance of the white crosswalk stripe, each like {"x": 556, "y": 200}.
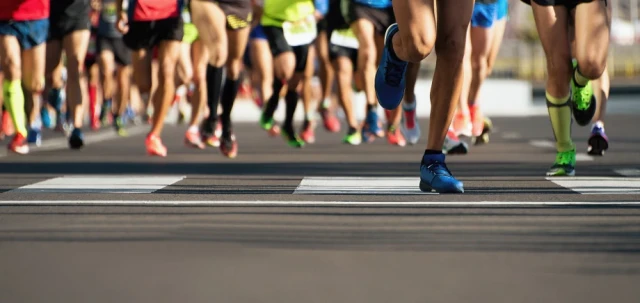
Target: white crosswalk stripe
{"x": 101, "y": 184}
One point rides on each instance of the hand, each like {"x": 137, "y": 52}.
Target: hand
{"x": 123, "y": 23}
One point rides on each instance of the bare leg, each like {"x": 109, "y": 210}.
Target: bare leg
{"x": 200, "y": 59}
{"x": 344, "y": 72}
{"x": 168, "y": 52}
{"x": 75, "y": 47}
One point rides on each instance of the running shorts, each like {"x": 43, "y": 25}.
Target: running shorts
{"x": 336, "y": 51}
{"x": 68, "y": 17}
{"x": 567, "y": 3}
{"x": 29, "y": 33}
{"x": 278, "y": 45}
{"x": 257, "y": 33}
{"x": 484, "y": 14}
{"x": 239, "y": 13}
{"x": 121, "y": 53}
{"x": 190, "y": 33}
{"x": 147, "y": 34}
{"x": 503, "y": 9}
{"x": 380, "y": 18}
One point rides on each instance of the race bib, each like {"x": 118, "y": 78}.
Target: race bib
{"x": 110, "y": 13}
{"x": 344, "y": 38}
{"x": 302, "y": 32}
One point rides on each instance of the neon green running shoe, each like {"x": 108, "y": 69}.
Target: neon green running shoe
{"x": 292, "y": 140}
{"x": 565, "y": 164}
{"x": 583, "y": 100}
{"x": 118, "y": 124}
{"x": 354, "y": 138}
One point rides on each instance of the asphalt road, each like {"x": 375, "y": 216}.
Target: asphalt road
{"x": 328, "y": 223}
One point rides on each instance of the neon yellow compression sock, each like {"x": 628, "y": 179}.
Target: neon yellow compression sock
{"x": 579, "y": 78}
{"x": 560, "y": 115}
{"x": 14, "y": 101}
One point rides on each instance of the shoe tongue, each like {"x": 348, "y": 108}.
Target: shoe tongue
{"x": 432, "y": 158}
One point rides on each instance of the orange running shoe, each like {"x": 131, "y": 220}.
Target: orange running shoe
{"x": 192, "y": 139}
{"x": 395, "y": 137}
{"x": 462, "y": 124}
{"x": 331, "y": 122}
{"x": 477, "y": 120}
{"x": 308, "y": 134}
{"x": 229, "y": 146}
{"x": 155, "y": 147}
{"x": 19, "y": 144}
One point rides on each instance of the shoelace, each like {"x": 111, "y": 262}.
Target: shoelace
{"x": 564, "y": 158}
{"x": 393, "y": 73}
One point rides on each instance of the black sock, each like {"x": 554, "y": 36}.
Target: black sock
{"x": 229, "y": 94}
{"x": 292, "y": 102}
{"x": 370, "y": 107}
{"x": 352, "y": 130}
{"x": 432, "y": 151}
{"x": 214, "y": 82}
{"x": 272, "y": 104}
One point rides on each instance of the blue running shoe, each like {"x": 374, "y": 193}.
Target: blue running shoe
{"x": 435, "y": 176}
{"x": 34, "y": 136}
{"x": 371, "y": 128}
{"x": 390, "y": 80}
{"x": 45, "y": 117}
{"x": 76, "y": 140}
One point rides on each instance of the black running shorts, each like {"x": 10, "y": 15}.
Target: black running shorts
{"x": 279, "y": 45}
{"x": 380, "y": 18}
{"x": 239, "y": 13}
{"x": 568, "y": 3}
{"x": 147, "y": 34}
{"x": 121, "y": 53}
{"x": 336, "y": 51}
{"x": 67, "y": 16}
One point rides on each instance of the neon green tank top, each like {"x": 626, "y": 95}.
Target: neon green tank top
{"x": 276, "y": 12}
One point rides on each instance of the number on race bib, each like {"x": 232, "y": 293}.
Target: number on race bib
{"x": 299, "y": 33}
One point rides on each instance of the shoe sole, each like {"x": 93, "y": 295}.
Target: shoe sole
{"x": 565, "y": 174}
{"x": 597, "y": 146}
{"x": 426, "y": 188}
{"x": 75, "y": 143}
{"x": 583, "y": 117}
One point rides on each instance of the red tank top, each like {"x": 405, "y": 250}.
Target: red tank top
{"x": 24, "y": 10}
{"x": 150, "y": 10}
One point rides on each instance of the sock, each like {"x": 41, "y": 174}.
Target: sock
{"x": 432, "y": 152}
{"x": 14, "y": 101}
{"x": 292, "y": 102}
{"x": 272, "y": 103}
{"x": 193, "y": 129}
{"x": 560, "y": 115}
{"x": 370, "y": 107}
{"x": 326, "y": 103}
{"x": 214, "y": 82}
{"x": 93, "y": 99}
{"x": 578, "y": 78}
{"x": 229, "y": 94}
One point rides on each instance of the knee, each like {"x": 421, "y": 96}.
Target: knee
{"x": 218, "y": 57}
{"x": 479, "y": 62}
{"x": 233, "y": 68}
{"x": 591, "y": 67}
{"x": 417, "y": 45}
{"x": 452, "y": 45}
{"x": 11, "y": 68}
{"x": 368, "y": 54}
{"x": 285, "y": 67}
{"x": 35, "y": 85}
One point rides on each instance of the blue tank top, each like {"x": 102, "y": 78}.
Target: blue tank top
{"x": 375, "y": 3}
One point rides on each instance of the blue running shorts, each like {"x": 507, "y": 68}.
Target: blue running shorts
{"x": 29, "y": 33}
{"x": 503, "y": 9}
{"x": 484, "y": 14}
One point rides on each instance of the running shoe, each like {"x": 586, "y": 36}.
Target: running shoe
{"x": 34, "y": 136}
{"x": 330, "y": 121}
{"x": 76, "y": 140}
{"x": 210, "y": 136}
{"x": 270, "y": 126}
{"x": 118, "y": 125}
{"x": 409, "y": 125}
{"x": 598, "y": 142}
{"x": 390, "y": 76}
{"x": 462, "y": 124}
{"x": 19, "y": 144}
{"x": 371, "y": 128}
{"x": 292, "y": 139}
{"x": 155, "y": 147}
{"x": 7, "y": 124}
{"x": 477, "y": 120}
{"x": 193, "y": 139}
{"x": 453, "y": 145}
{"x": 565, "y": 164}
{"x": 484, "y": 135}
{"x": 583, "y": 103}
{"x": 45, "y": 117}
{"x": 308, "y": 133}
{"x": 435, "y": 176}
{"x": 395, "y": 137}
{"x": 353, "y": 137}
{"x": 229, "y": 146}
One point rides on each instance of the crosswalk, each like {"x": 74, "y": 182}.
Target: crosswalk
{"x": 628, "y": 182}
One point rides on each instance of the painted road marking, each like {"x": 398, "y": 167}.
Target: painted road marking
{"x": 101, "y": 184}
{"x": 628, "y": 172}
{"x": 599, "y": 185}
{"x": 550, "y": 144}
{"x": 359, "y": 186}
{"x": 427, "y": 204}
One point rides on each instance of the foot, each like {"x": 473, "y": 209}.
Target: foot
{"x": 155, "y": 147}
{"x": 229, "y": 146}
{"x": 308, "y": 133}
{"x": 462, "y": 125}
{"x": 209, "y": 135}
{"x": 435, "y": 176}
{"x": 371, "y": 128}
{"x": 583, "y": 103}
{"x": 45, "y": 116}
{"x": 193, "y": 139}
{"x": 453, "y": 145}
{"x": 353, "y": 137}
{"x": 409, "y": 125}
{"x": 118, "y": 126}
{"x": 19, "y": 144}
{"x": 76, "y": 140}
{"x": 598, "y": 142}
{"x": 292, "y": 139}
{"x": 330, "y": 121}
{"x": 483, "y": 138}
{"x": 269, "y": 125}
{"x": 34, "y": 136}
{"x": 395, "y": 137}
{"x": 390, "y": 76}
{"x": 565, "y": 164}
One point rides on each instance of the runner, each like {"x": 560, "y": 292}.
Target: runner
{"x": 69, "y": 32}
{"x": 412, "y": 39}
{"x": 343, "y": 52}
{"x": 325, "y": 72}
{"x": 368, "y": 20}
{"x": 598, "y": 141}
{"x": 194, "y": 58}
{"x": 592, "y": 26}
{"x": 114, "y": 57}
{"x": 23, "y": 32}
{"x": 91, "y": 65}
{"x": 226, "y": 24}
{"x": 290, "y": 28}
{"x": 149, "y": 24}
{"x": 409, "y": 126}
